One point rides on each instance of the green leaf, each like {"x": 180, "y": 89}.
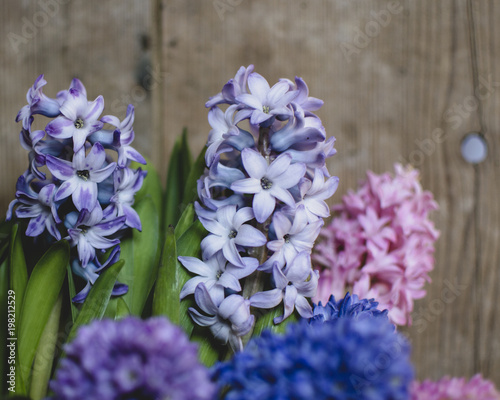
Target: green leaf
{"x": 166, "y": 295}
{"x": 191, "y": 190}
{"x": 265, "y": 321}
{"x": 141, "y": 252}
{"x": 44, "y": 358}
{"x": 151, "y": 186}
{"x": 185, "y": 221}
{"x": 98, "y": 298}
{"x": 17, "y": 268}
{"x": 122, "y": 309}
{"x": 72, "y": 293}
{"x": 177, "y": 176}
{"x": 188, "y": 245}
{"x": 42, "y": 292}
{"x": 210, "y": 350}
{"x": 110, "y": 312}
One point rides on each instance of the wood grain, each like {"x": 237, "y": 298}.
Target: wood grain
{"x": 405, "y": 94}
{"x": 408, "y": 91}
{"x": 105, "y": 44}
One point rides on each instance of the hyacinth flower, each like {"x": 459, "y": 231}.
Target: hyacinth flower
{"x": 455, "y": 389}
{"x": 261, "y": 199}
{"x": 131, "y": 359}
{"x": 351, "y": 306}
{"x": 73, "y": 189}
{"x": 78, "y": 119}
{"x": 380, "y": 243}
{"x": 347, "y": 357}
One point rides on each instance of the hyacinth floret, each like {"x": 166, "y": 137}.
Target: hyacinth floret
{"x": 131, "y": 359}
{"x": 79, "y": 184}
{"x": 344, "y": 358}
{"x": 262, "y": 200}
{"x": 351, "y": 306}
{"x": 380, "y": 243}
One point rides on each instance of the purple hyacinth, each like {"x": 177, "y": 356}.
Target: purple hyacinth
{"x": 81, "y": 176}
{"x": 89, "y": 232}
{"x": 262, "y": 200}
{"x": 76, "y": 170}
{"x": 79, "y": 118}
{"x": 131, "y": 359}
{"x": 268, "y": 183}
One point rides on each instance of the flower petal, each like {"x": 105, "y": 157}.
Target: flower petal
{"x": 263, "y": 205}
{"x": 61, "y": 169}
{"x": 248, "y": 185}
{"x": 250, "y": 237}
{"x": 204, "y": 301}
{"x": 211, "y": 244}
{"x": 267, "y": 299}
{"x": 255, "y": 165}
{"x": 85, "y": 195}
{"x": 101, "y": 174}
{"x": 66, "y": 189}
{"x": 96, "y": 157}
{"x": 196, "y": 266}
{"x": 94, "y": 109}
{"x": 231, "y": 253}
{"x": 190, "y": 286}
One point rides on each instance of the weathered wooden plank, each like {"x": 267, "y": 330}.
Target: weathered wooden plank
{"x": 397, "y": 84}
{"x": 484, "y": 17}
{"x": 105, "y": 44}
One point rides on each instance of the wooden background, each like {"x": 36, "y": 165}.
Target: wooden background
{"x": 406, "y": 89}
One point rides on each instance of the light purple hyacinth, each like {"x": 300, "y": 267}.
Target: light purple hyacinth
{"x": 89, "y": 232}
{"x": 79, "y": 119}
{"x": 121, "y": 138}
{"x": 268, "y": 182}
{"x": 228, "y": 321}
{"x": 91, "y": 271}
{"x": 264, "y": 102}
{"x": 81, "y": 176}
{"x": 39, "y": 207}
{"x": 292, "y": 237}
{"x": 76, "y": 169}
{"x": 126, "y": 184}
{"x": 217, "y": 274}
{"x": 38, "y": 103}
{"x": 262, "y": 198}
{"x": 294, "y": 285}
{"x": 228, "y": 231}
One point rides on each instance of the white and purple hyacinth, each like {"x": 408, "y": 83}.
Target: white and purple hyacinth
{"x": 73, "y": 189}
{"x": 262, "y": 200}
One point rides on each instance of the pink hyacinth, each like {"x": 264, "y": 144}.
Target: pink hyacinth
{"x": 455, "y": 389}
{"x": 380, "y": 243}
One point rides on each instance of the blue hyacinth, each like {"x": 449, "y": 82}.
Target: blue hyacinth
{"x": 351, "y": 306}
{"x": 343, "y": 358}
